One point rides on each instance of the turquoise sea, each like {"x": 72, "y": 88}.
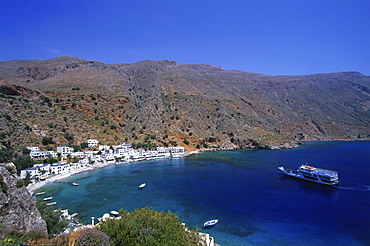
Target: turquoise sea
{"x": 254, "y": 202}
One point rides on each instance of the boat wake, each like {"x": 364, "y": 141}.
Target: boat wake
{"x": 355, "y": 186}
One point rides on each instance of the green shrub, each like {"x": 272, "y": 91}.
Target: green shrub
{"x": 53, "y": 223}
{"x": 19, "y": 183}
{"x": 145, "y": 226}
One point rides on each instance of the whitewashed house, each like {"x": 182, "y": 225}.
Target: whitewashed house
{"x": 79, "y": 154}
{"x": 162, "y": 151}
{"x": 103, "y": 147}
{"x": 33, "y": 172}
{"x": 177, "y": 149}
{"x": 33, "y": 148}
{"x": 38, "y": 170}
{"x": 122, "y": 145}
{"x": 84, "y": 161}
{"x": 64, "y": 151}
{"x": 35, "y": 154}
{"x": 43, "y": 167}
{"x": 108, "y": 155}
{"x": 51, "y": 154}
{"x": 92, "y": 142}
{"x": 59, "y": 167}
{"x": 120, "y": 153}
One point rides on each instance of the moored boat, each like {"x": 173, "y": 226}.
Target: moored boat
{"x": 50, "y": 204}
{"x": 210, "y": 223}
{"x": 75, "y": 184}
{"x": 47, "y": 198}
{"x": 40, "y": 193}
{"x": 317, "y": 175}
{"x": 115, "y": 213}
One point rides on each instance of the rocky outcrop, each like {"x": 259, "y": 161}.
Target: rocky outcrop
{"x": 14, "y": 90}
{"x": 17, "y": 207}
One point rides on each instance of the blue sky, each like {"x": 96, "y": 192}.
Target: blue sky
{"x": 276, "y": 37}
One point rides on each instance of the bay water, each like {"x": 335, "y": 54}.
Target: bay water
{"x": 254, "y": 202}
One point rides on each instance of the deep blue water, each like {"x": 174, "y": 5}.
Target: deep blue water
{"x": 254, "y": 202}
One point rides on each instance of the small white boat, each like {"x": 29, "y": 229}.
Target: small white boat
{"x": 210, "y": 223}
{"x": 50, "y": 204}
{"x": 142, "y": 185}
{"x": 74, "y": 215}
{"x": 115, "y": 213}
{"x": 75, "y": 184}
{"x": 47, "y": 198}
{"x": 40, "y": 193}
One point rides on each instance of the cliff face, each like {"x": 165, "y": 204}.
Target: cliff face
{"x": 17, "y": 207}
{"x": 163, "y": 102}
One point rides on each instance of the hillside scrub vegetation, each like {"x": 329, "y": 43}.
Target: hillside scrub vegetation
{"x": 68, "y": 100}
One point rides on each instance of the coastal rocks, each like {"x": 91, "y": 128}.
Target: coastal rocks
{"x": 284, "y": 146}
{"x": 17, "y": 207}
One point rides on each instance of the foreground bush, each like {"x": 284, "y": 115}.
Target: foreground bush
{"x": 14, "y": 236}
{"x": 146, "y": 227}
{"x": 92, "y": 237}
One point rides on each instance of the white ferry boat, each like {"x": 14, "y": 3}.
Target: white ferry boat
{"x": 318, "y": 175}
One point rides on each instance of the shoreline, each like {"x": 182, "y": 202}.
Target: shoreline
{"x": 49, "y": 180}
{"x": 32, "y": 188}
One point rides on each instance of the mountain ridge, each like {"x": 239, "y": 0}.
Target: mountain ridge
{"x": 191, "y": 103}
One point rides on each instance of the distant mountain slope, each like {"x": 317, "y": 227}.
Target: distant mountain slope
{"x": 163, "y": 102}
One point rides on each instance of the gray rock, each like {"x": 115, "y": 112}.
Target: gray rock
{"x": 17, "y": 207}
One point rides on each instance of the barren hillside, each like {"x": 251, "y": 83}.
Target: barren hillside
{"x": 166, "y": 103}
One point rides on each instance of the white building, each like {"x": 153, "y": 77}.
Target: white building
{"x": 122, "y": 145}
{"x": 51, "y": 154}
{"x": 38, "y": 170}
{"x": 92, "y": 142}
{"x": 64, "y": 151}
{"x": 33, "y": 148}
{"x": 59, "y": 167}
{"x": 108, "y": 155}
{"x": 104, "y": 147}
{"x": 43, "y": 154}
{"x": 177, "y": 149}
{"x": 79, "y": 155}
{"x": 35, "y": 154}
{"x": 32, "y": 171}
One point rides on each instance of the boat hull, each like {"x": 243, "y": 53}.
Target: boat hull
{"x": 210, "y": 223}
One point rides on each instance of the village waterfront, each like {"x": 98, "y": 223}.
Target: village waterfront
{"x": 254, "y": 202}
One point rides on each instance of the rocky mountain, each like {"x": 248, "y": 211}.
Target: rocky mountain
{"x": 165, "y": 103}
{"x": 17, "y": 207}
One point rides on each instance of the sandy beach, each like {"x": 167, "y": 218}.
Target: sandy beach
{"x": 31, "y": 188}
